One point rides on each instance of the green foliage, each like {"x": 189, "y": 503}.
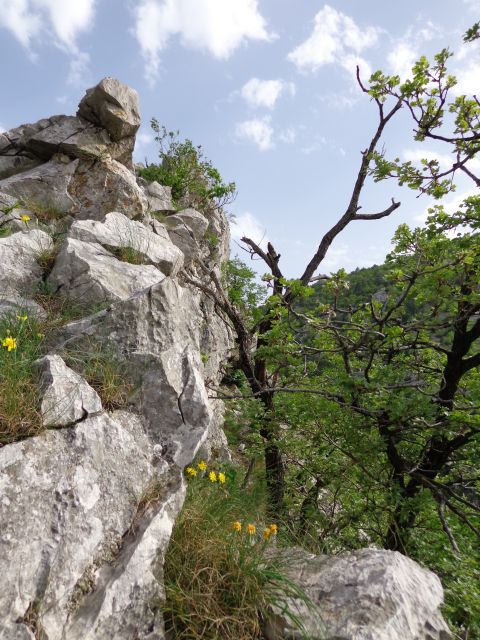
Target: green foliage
{"x": 240, "y": 283}
{"x": 183, "y": 167}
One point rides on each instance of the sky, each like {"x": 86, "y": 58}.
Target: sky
{"x": 267, "y": 87}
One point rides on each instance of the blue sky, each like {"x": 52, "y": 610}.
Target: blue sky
{"x": 265, "y": 86}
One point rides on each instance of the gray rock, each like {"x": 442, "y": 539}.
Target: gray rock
{"x": 103, "y": 186}
{"x": 118, "y": 231}
{"x": 66, "y": 397}
{"x": 15, "y": 304}
{"x": 159, "y": 197}
{"x": 20, "y": 271}
{"x": 369, "y": 594}
{"x": 112, "y": 105}
{"x": 186, "y": 230}
{"x": 47, "y": 184}
{"x": 13, "y": 164}
{"x": 73, "y": 136}
{"x": 87, "y": 272}
{"x": 79, "y": 547}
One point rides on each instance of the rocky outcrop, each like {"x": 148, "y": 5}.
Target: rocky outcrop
{"x": 369, "y": 594}
{"x": 88, "y": 505}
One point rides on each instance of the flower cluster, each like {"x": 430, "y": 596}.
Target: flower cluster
{"x": 251, "y": 529}
{"x": 213, "y": 476}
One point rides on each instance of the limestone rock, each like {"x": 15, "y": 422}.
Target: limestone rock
{"x": 157, "y": 332}
{"x": 16, "y": 163}
{"x": 19, "y": 252}
{"x": 13, "y": 304}
{"x": 47, "y": 184}
{"x": 103, "y": 186}
{"x": 159, "y": 197}
{"x": 66, "y": 397}
{"x": 370, "y": 594}
{"x": 118, "y": 231}
{"x": 186, "y": 230}
{"x": 78, "y": 550}
{"x": 87, "y": 272}
{"x": 112, "y": 105}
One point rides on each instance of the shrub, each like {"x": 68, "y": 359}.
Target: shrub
{"x": 219, "y": 581}
{"x": 183, "y": 167}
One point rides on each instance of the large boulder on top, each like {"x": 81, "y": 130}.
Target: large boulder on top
{"x": 113, "y": 106}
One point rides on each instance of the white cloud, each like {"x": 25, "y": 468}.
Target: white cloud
{"x": 445, "y": 160}
{"x": 28, "y": 20}
{"x": 2, "y": 128}
{"x": 33, "y": 21}
{"x": 473, "y": 5}
{"x": 216, "y": 26}
{"x": 467, "y": 79}
{"x": 259, "y": 131}
{"x": 265, "y": 93}
{"x": 336, "y": 39}
{"x": 248, "y": 225}
{"x": 407, "y": 49}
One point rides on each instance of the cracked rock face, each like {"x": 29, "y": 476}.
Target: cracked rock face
{"x": 66, "y": 397}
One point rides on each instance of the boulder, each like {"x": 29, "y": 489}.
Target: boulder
{"x": 20, "y": 271}
{"x": 117, "y": 230}
{"x": 113, "y": 106}
{"x": 86, "y": 517}
{"x": 370, "y": 594}
{"x": 66, "y": 397}
{"x": 87, "y": 272}
{"x": 106, "y": 185}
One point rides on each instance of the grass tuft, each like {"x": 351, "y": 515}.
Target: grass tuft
{"x": 20, "y": 345}
{"x": 220, "y": 581}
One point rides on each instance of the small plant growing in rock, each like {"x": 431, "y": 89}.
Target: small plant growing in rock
{"x": 220, "y": 580}
{"x": 183, "y": 167}
{"x": 20, "y": 345}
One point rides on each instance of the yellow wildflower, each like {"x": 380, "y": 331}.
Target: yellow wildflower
{"x": 251, "y": 529}
{"x": 9, "y": 343}
{"x": 202, "y": 465}
{"x": 25, "y": 218}
{"x": 212, "y": 476}
{"x": 221, "y": 478}
{"x": 237, "y": 526}
{"x": 273, "y": 529}
{"x": 191, "y": 471}
{"x": 23, "y": 318}
{"x": 267, "y": 533}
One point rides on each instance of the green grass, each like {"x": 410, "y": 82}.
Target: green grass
{"x": 104, "y": 371}
{"x": 19, "y": 395}
{"x": 220, "y": 582}
{"x": 128, "y": 254}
